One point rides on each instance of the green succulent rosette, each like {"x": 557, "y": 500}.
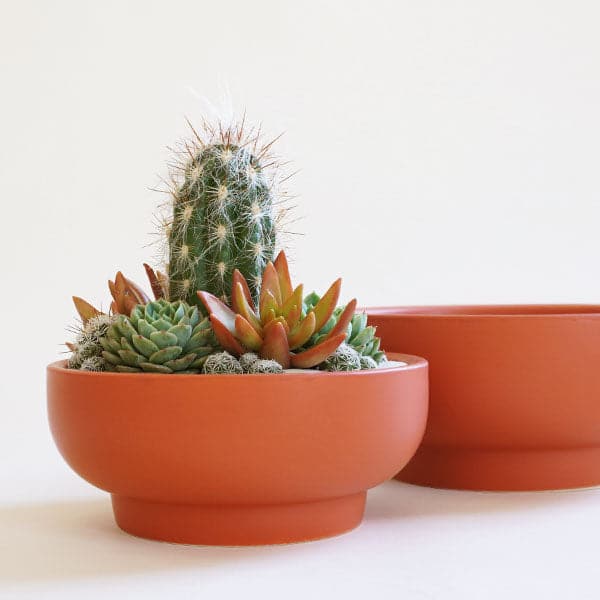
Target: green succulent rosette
{"x": 159, "y": 337}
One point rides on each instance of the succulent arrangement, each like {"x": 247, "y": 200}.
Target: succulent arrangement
{"x": 224, "y": 304}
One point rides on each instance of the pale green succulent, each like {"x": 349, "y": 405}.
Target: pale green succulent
{"x": 159, "y": 337}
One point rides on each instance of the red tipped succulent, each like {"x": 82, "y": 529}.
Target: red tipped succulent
{"x": 125, "y": 295}
{"x": 279, "y": 328}
{"x": 158, "y": 282}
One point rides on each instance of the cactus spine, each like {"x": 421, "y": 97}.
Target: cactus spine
{"x": 223, "y": 215}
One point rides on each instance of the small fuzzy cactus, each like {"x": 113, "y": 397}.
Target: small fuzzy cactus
{"x": 345, "y": 358}
{"x": 247, "y": 360}
{"x": 366, "y": 362}
{"x": 93, "y": 363}
{"x": 265, "y": 366}
{"x": 87, "y": 349}
{"x": 224, "y": 213}
{"x": 222, "y": 363}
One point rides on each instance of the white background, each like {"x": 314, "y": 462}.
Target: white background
{"x": 448, "y": 153}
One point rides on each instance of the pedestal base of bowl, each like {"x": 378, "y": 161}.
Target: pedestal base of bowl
{"x": 238, "y": 525}
{"x": 503, "y": 470}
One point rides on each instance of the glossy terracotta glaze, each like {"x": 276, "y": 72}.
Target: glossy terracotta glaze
{"x": 515, "y": 394}
{"x": 238, "y": 459}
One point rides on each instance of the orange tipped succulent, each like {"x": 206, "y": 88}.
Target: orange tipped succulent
{"x": 279, "y": 328}
{"x": 125, "y": 293}
{"x": 158, "y": 282}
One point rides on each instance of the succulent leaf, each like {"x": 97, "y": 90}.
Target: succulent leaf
{"x": 225, "y": 337}
{"x": 301, "y": 334}
{"x": 326, "y": 305}
{"x": 183, "y": 333}
{"x": 283, "y": 273}
{"x": 155, "y": 284}
{"x": 317, "y": 354}
{"x": 270, "y": 285}
{"x": 344, "y": 319}
{"x": 166, "y": 354}
{"x": 164, "y": 338}
{"x": 246, "y": 334}
{"x": 241, "y": 306}
{"x": 275, "y": 345}
{"x": 239, "y": 278}
{"x": 84, "y": 309}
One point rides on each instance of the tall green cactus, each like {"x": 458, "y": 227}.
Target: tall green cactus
{"x": 223, "y": 219}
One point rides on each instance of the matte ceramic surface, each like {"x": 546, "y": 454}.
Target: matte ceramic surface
{"x": 238, "y": 459}
{"x": 515, "y": 394}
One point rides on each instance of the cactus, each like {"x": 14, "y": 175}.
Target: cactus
{"x": 359, "y": 335}
{"x": 87, "y": 349}
{"x": 223, "y": 214}
{"x": 366, "y": 362}
{"x": 93, "y": 363}
{"x": 265, "y": 366}
{"x": 247, "y": 360}
{"x": 345, "y": 358}
{"x": 159, "y": 337}
{"x": 222, "y": 363}
{"x": 280, "y": 327}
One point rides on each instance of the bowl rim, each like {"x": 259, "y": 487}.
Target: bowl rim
{"x": 414, "y": 362}
{"x": 486, "y": 311}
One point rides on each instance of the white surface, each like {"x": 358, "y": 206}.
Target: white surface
{"x": 415, "y": 543}
{"x": 449, "y": 153}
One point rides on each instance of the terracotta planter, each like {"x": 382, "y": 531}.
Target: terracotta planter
{"x": 238, "y": 459}
{"x": 515, "y": 394}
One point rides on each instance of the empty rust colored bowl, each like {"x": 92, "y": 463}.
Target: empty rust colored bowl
{"x": 238, "y": 459}
{"x": 515, "y": 394}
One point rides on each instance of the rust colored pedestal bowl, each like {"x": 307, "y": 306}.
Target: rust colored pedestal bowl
{"x": 238, "y": 459}
{"x": 515, "y": 394}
